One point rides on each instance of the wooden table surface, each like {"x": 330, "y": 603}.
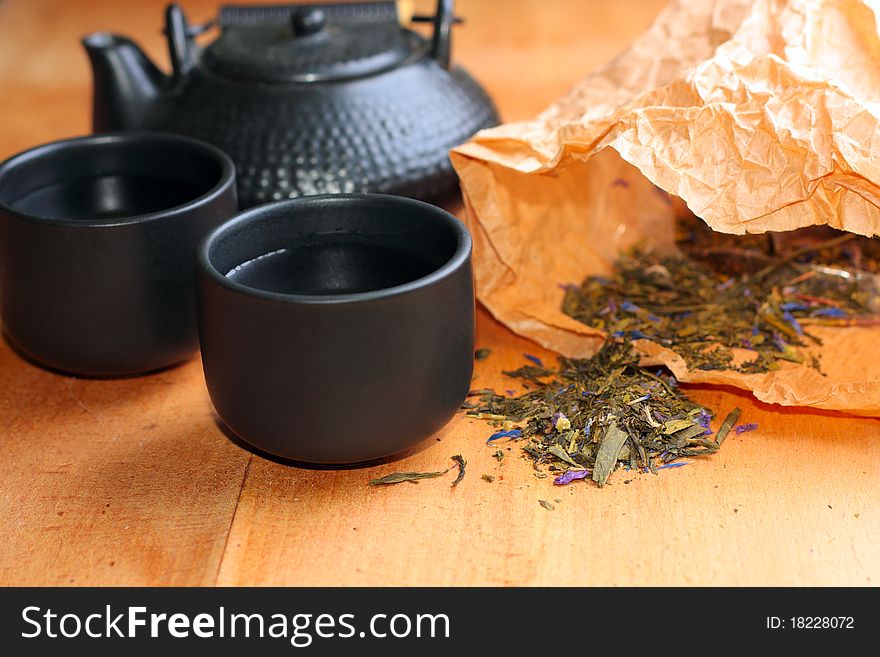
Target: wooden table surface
{"x": 131, "y": 482}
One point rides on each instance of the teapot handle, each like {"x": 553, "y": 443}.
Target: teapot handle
{"x": 181, "y": 46}
{"x": 441, "y": 45}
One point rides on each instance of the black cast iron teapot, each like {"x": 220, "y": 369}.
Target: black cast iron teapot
{"x": 307, "y": 99}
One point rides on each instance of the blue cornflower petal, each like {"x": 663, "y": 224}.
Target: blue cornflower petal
{"x": 510, "y": 433}
{"x": 828, "y": 312}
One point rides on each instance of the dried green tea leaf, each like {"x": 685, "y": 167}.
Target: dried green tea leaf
{"x": 731, "y": 419}
{"x": 482, "y": 354}
{"x": 558, "y": 452}
{"x": 673, "y": 426}
{"x": 461, "y": 463}
{"x": 531, "y": 373}
{"x": 489, "y": 478}
{"x": 609, "y": 448}
{"x": 412, "y": 477}
{"x": 546, "y": 505}
{"x": 723, "y": 293}
{"x": 687, "y": 433}
{"x": 591, "y": 394}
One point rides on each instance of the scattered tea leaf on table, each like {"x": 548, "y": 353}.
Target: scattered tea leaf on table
{"x": 547, "y": 505}
{"x": 609, "y": 448}
{"x": 691, "y": 431}
{"x": 482, "y": 354}
{"x": 673, "y": 426}
{"x": 731, "y": 419}
{"x": 461, "y": 463}
{"x": 562, "y": 421}
{"x": 558, "y": 452}
{"x": 411, "y": 477}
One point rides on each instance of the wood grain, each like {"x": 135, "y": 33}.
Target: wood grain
{"x": 132, "y": 482}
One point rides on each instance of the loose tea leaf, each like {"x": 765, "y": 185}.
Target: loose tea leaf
{"x": 489, "y": 478}
{"x": 673, "y": 426}
{"x": 461, "y": 463}
{"x": 482, "y": 354}
{"x": 558, "y": 452}
{"x": 609, "y": 448}
{"x": 731, "y": 419}
{"x": 590, "y": 416}
{"x": 412, "y": 477}
{"x": 733, "y": 302}
{"x": 547, "y": 505}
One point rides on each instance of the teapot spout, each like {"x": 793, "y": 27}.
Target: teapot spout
{"x": 128, "y": 88}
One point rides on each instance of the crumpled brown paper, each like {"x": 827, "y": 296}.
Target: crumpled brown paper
{"x": 759, "y": 115}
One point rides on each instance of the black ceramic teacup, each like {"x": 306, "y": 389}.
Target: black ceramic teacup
{"x": 97, "y": 236}
{"x": 337, "y": 329}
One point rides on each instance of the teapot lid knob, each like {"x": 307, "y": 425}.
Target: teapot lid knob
{"x": 307, "y": 21}
{"x": 310, "y": 43}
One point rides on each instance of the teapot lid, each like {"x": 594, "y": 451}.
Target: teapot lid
{"x": 309, "y": 43}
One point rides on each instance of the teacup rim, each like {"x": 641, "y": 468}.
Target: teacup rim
{"x": 227, "y": 176}
{"x": 460, "y": 257}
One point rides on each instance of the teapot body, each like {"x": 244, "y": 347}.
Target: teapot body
{"x": 389, "y": 133}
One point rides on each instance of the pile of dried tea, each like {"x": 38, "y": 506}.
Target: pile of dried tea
{"x": 725, "y": 292}
{"x": 592, "y": 415}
